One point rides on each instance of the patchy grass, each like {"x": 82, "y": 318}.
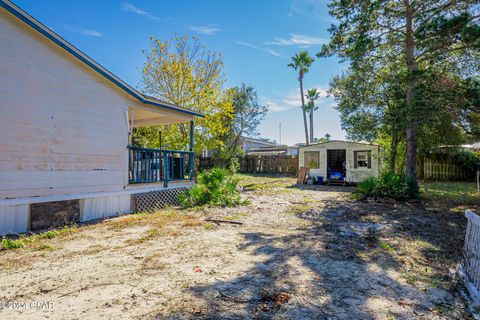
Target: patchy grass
{"x": 235, "y": 216}
{"x": 192, "y": 222}
{"x": 152, "y": 263}
{"x": 38, "y": 241}
{"x": 296, "y": 209}
{"x": 158, "y": 219}
{"x": 162, "y": 222}
{"x": 259, "y": 182}
{"x": 209, "y": 226}
{"x": 147, "y": 236}
{"x": 385, "y": 246}
{"x": 93, "y": 249}
{"x": 42, "y": 246}
{"x": 9, "y": 244}
{"x": 460, "y": 193}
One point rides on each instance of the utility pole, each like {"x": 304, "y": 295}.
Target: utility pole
{"x": 280, "y": 133}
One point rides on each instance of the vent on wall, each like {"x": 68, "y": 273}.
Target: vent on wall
{"x": 54, "y": 214}
{"x": 151, "y": 201}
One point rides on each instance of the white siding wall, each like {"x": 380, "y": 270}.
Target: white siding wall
{"x": 353, "y": 175}
{"x": 14, "y": 219}
{"x": 102, "y": 207}
{"x": 63, "y": 127}
{"x": 249, "y": 145}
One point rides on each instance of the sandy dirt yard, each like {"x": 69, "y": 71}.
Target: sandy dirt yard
{"x": 301, "y": 253}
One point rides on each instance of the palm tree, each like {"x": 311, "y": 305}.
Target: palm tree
{"x": 312, "y": 95}
{"x": 301, "y": 62}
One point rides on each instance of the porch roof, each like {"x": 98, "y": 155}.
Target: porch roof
{"x": 140, "y": 115}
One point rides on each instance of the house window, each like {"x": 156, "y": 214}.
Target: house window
{"x": 311, "y": 159}
{"x": 362, "y": 159}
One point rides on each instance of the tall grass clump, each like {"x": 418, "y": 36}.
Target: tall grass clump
{"x": 216, "y": 186}
{"x": 388, "y": 185}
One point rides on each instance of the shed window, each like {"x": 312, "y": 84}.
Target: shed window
{"x": 311, "y": 159}
{"x": 362, "y": 159}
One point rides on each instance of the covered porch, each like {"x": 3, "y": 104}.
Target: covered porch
{"x": 150, "y": 167}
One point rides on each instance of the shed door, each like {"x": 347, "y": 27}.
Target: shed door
{"x": 337, "y": 162}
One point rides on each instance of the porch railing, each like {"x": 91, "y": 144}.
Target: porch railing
{"x": 158, "y": 165}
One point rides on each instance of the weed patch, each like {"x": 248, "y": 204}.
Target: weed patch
{"x": 9, "y": 244}
{"x": 385, "y": 246}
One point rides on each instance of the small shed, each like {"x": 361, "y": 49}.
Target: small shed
{"x": 338, "y": 160}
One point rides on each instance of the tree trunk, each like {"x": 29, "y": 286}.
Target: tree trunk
{"x": 411, "y": 160}
{"x": 311, "y": 126}
{"x": 300, "y": 79}
{"x": 393, "y": 152}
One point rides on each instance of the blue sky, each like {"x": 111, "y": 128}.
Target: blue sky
{"x": 256, "y": 38}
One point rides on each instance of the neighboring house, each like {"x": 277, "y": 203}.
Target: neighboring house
{"x": 471, "y": 147}
{"x": 337, "y": 160}
{"x": 275, "y": 151}
{"x": 247, "y": 144}
{"x": 466, "y": 147}
{"x": 66, "y": 125}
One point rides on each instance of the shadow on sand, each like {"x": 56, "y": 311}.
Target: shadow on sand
{"x": 335, "y": 267}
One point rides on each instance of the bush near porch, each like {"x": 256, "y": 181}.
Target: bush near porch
{"x": 216, "y": 186}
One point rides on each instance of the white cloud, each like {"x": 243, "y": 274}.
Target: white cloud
{"x": 292, "y": 100}
{"x": 297, "y": 40}
{"x": 208, "y": 30}
{"x": 85, "y": 32}
{"x": 128, "y": 7}
{"x": 311, "y": 8}
{"x": 92, "y": 33}
{"x": 253, "y": 46}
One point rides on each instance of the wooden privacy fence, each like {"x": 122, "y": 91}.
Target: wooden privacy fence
{"x": 256, "y": 164}
{"x": 444, "y": 169}
{"x": 471, "y": 263}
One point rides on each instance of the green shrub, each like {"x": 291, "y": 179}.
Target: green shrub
{"x": 216, "y": 186}
{"x": 234, "y": 165}
{"x": 388, "y": 185}
{"x": 9, "y": 244}
{"x": 50, "y": 234}
{"x": 365, "y": 188}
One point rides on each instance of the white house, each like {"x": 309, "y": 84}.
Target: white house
{"x": 65, "y": 125}
{"x": 247, "y": 143}
{"x": 291, "y": 151}
{"x": 337, "y": 160}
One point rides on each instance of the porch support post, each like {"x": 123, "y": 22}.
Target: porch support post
{"x": 166, "y": 168}
{"x": 191, "y": 157}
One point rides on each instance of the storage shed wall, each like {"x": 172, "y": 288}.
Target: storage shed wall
{"x": 353, "y": 175}
{"x": 63, "y": 127}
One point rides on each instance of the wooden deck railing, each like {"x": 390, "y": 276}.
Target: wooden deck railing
{"x": 158, "y": 165}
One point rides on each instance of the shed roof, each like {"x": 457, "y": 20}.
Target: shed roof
{"x": 75, "y": 52}
{"x": 336, "y": 141}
